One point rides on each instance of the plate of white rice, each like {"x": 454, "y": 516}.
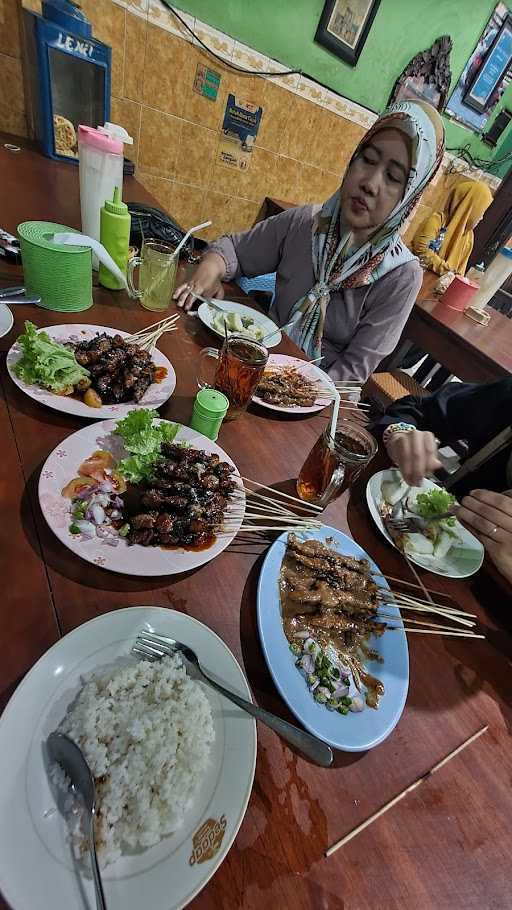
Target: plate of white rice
{"x": 173, "y": 762}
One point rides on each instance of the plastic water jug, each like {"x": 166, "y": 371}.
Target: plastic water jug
{"x": 494, "y": 276}
{"x": 100, "y": 157}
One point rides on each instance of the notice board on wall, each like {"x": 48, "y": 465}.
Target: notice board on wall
{"x": 240, "y": 127}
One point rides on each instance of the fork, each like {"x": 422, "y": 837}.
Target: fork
{"x": 153, "y": 647}
{"x": 415, "y": 523}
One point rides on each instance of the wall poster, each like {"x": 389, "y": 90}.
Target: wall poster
{"x": 486, "y": 74}
{"x": 239, "y": 130}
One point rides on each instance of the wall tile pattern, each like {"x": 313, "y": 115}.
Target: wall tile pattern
{"x": 305, "y": 141}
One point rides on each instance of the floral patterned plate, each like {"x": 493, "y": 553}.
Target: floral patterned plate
{"x": 62, "y": 465}
{"x": 155, "y": 397}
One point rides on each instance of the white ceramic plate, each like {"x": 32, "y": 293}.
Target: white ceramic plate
{"x": 355, "y": 732}
{"x": 6, "y": 320}
{"x": 36, "y": 868}
{"x": 155, "y": 397}
{"x": 460, "y": 561}
{"x": 310, "y": 371}
{"x": 207, "y": 315}
{"x": 62, "y": 465}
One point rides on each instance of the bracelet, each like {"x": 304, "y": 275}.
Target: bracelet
{"x": 394, "y": 428}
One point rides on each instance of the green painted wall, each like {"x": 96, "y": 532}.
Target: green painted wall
{"x": 284, "y": 29}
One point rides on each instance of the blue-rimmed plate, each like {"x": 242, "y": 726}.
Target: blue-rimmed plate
{"x": 353, "y": 732}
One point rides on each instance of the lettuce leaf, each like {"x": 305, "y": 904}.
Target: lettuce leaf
{"x": 46, "y": 362}
{"x": 142, "y": 438}
{"x": 435, "y": 502}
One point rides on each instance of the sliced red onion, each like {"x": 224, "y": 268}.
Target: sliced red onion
{"x": 340, "y": 692}
{"x": 117, "y": 502}
{"x": 87, "y": 492}
{"x": 98, "y": 514}
{"x": 115, "y": 513}
{"x": 100, "y": 499}
{"x": 103, "y": 532}
{"x": 106, "y": 486}
{"x": 307, "y": 664}
{"x": 86, "y": 528}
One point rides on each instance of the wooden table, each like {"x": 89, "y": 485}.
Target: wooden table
{"x": 473, "y": 352}
{"x": 445, "y": 846}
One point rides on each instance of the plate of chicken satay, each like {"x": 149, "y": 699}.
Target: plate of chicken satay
{"x": 92, "y": 371}
{"x": 293, "y": 386}
{"x": 142, "y": 496}
{"x": 333, "y": 638}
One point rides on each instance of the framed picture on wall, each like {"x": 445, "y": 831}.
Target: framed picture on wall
{"x": 472, "y": 101}
{"x": 487, "y": 78}
{"x": 344, "y": 26}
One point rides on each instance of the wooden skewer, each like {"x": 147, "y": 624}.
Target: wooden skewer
{"x": 439, "y": 612}
{"x": 301, "y": 502}
{"x": 411, "y": 584}
{"x": 435, "y": 632}
{"x": 407, "y": 598}
{"x": 278, "y": 506}
{"x": 418, "y": 622}
{"x": 450, "y": 616}
{"x": 257, "y": 528}
{"x": 409, "y": 789}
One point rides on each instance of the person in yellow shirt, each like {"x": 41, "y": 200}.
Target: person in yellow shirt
{"x": 444, "y": 241}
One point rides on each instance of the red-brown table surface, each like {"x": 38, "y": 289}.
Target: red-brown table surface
{"x": 473, "y": 352}
{"x": 446, "y": 845}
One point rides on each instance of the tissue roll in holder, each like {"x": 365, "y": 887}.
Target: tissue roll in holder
{"x": 60, "y": 275}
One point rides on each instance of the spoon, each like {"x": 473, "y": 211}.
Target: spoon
{"x": 153, "y": 646}
{"x": 69, "y": 756}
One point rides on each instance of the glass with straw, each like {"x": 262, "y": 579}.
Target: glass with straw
{"x": 336, "y": 460}
{"x": 158, "y": 264}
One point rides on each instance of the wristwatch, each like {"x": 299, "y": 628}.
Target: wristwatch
{"x": 394, "y": 428}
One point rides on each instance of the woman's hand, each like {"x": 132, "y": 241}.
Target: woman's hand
{"x": 205, "y": 281}
{"x": 489, "y": 516}
{"x": 415, "y": 453}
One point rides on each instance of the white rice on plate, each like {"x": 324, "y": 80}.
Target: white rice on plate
{"x": 146, "y": 731}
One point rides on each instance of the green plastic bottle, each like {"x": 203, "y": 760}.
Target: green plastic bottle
{"x": 115, "y": 222}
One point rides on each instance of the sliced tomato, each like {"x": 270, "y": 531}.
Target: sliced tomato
{"x": 96, "y": 465}
{"x": 75, "y": 486}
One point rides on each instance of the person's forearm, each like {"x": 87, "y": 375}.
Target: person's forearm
{"x": 216, "y": 265}
{"x": 430, "y": 260}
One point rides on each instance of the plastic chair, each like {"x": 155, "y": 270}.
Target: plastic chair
{"x": 261, "y": 284}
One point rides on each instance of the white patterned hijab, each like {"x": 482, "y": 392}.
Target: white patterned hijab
{"x": 335, "y": 264}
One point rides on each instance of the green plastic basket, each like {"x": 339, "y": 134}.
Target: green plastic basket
{"x": 61, "y": 275}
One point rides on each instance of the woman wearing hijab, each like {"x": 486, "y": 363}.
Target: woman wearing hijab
{"x": 445, "y": 240}
{"x": 345, "y": 282}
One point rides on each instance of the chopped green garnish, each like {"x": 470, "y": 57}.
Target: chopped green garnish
{"x": 343, "y": 709}
{"x": 346, "y": 700}
{"x": 295, "y": 648}
{"x": 73, "y": 529}
{"x": 124, "y": 530}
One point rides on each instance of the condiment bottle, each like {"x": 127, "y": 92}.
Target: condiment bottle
{"x": 115, "y": 223}
{"x": 210, "y": 408}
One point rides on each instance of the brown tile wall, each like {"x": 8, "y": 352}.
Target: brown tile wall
{"x": 301, "y": 149}
{"x": 176, "y": 131}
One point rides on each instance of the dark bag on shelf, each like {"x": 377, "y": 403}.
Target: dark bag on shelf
{"x": 151, "y": 222}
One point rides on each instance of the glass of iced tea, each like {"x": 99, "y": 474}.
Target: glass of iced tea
{"x": 240, "y": 365}
{"x": 333, "y": 464}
